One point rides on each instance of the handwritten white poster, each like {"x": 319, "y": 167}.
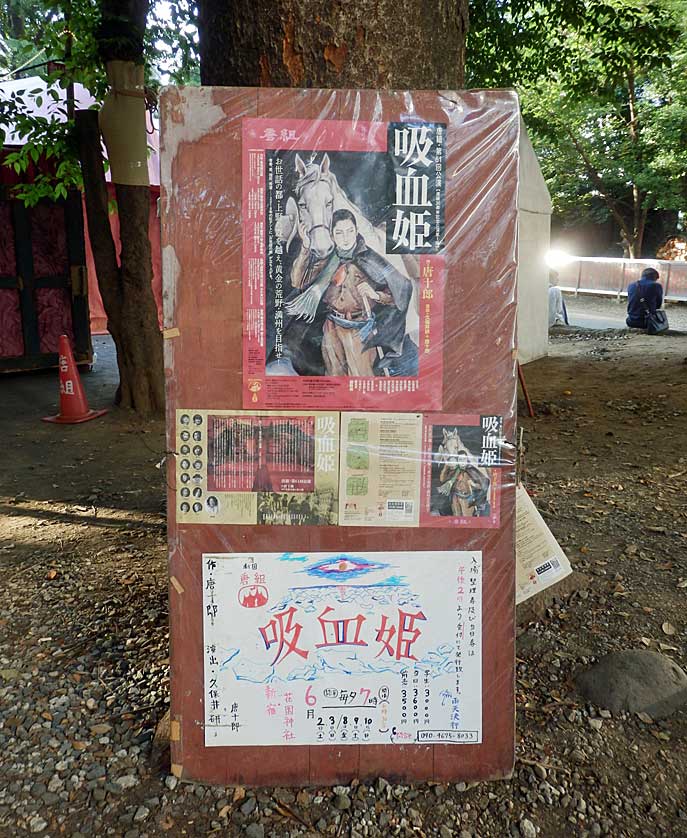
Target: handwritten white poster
{"x": 342, "y": 648}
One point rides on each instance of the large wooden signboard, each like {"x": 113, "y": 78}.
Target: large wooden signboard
{"x": 339, "y": 301}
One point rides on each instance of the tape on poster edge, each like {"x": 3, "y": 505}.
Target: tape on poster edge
{"x": 177, "y": 770}
{"x": 178, "y": 587}
{"x": 174, "y": 731}
{"x": 171, "y": 333}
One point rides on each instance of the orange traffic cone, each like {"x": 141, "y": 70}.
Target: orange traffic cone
{"x": 73, "y": 405}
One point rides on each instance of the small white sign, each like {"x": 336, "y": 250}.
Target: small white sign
{"x": 539, "y": 558}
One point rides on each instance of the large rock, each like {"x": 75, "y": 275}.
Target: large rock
{"x": 635, "y": 680}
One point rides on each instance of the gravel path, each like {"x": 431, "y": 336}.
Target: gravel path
{"x": 84, "y": 643}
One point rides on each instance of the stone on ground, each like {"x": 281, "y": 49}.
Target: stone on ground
{"x": 635, "y": 681}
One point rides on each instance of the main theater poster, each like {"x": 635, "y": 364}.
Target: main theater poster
{"x": 343, "y": 264}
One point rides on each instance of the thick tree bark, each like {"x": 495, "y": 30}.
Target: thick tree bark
{"x": 126, "y": 288}
{"x": 122, "y": 29}
{"x": 323, "y": 43}
{"x": 143, "y": 384}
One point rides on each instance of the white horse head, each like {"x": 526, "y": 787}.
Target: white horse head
{"x": 451, "y": 451}
{"x": 315, "y": 203}
{"x": 318, "y": 196}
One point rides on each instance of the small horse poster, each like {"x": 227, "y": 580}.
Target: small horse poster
{"x": 343, "y": 264}
{"x": 461, "y": 476}
{"x": 410, "y": 470}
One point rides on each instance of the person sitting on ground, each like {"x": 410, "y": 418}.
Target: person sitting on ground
{"x": 645, "y": 295}
{"x": 558, "y": 313}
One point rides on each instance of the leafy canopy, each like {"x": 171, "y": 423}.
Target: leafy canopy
{"x": 516, "y": 43}
{"x": 574, "y": 63}
{"x": 602, "y": 85}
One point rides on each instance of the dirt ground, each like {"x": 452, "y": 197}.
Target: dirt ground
{"x": 83, "y": 632}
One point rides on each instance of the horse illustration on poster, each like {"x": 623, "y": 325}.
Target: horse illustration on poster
{"x": 461, "y": 478}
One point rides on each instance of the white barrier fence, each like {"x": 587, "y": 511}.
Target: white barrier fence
{"x": 588, "y": 275}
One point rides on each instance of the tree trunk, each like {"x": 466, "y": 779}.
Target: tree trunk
{"x": 143, "y": 381}
{"x": 125, "y": 284}
{"x": 126, "y": 288}
{"x": 15, "y": 20}
{"x": 639, "y": 199}
{"x": 321, "y": 43}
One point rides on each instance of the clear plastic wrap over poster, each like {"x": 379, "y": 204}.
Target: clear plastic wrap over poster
{"x": 340, "y": 312}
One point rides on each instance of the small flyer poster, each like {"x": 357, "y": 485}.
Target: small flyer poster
{"x": 540, "y": 560}
{"x": 343, "y": 264}
{"x": 342, "y": 648}
{"x": 406, "y": 469}
{"x": 381, "y": 455}
{"x": 461, "y": 477}
{"x": 257, "y": 467}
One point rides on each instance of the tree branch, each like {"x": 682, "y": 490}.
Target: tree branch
{"x": 632, "y": 100}
{"x": 598, "y": 182}
{"x": 639, "y": 216}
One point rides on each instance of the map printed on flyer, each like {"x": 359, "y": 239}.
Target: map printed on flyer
{"x": 342, "y": 648}
{"x": 257, "y": 467}
{"x": 381, "y": 456}
{"x": 461, "y": 478}
{"x": 343, "y": 266}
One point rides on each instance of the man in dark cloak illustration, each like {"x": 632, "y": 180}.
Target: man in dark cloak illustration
{"x": 363, "y": 299}
{"x": 462, "y": 480}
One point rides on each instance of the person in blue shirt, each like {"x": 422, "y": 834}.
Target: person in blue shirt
{"x": 648, "y": 289}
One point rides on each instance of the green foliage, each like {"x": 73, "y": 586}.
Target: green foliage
{"x": 50, "y": 154}
{"x": 75, "y": 35}
{"x": 55, "y": 32}
{"x": 663, "y": 117}
{"x": 172, "y": 37}
{"x": 59, "y": 46}
{"x": 519, "y": 42}
{"x": 16, "y": 49}
{"x": 577, "y": 64}
{"x": 602, "y": 85}
{"x": 584, "y": 150}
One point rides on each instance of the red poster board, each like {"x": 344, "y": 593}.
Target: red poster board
{"x": 441, "y": 347}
